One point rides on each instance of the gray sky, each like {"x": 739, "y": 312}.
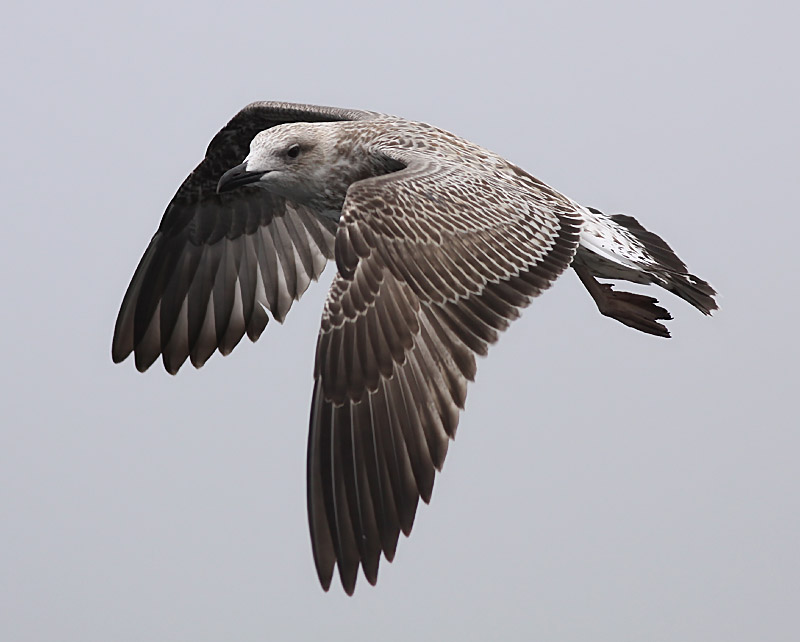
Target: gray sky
{"x": 605, "y": 485}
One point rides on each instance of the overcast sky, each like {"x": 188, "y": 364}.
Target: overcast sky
{"x": 605, "y": 484}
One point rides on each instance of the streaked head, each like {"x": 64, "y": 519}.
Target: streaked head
{"x": 289, "y": 160}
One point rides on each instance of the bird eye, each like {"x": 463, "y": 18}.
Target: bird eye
{"x": 293, "y": 151}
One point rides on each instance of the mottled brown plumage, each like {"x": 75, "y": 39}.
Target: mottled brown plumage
{"x": 438, "y": 243}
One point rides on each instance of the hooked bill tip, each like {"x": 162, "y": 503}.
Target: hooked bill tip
{"x": 236, "y": 177}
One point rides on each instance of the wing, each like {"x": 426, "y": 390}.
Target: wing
{"x": 218, "y": 261}
{"x": 434, "y": 261}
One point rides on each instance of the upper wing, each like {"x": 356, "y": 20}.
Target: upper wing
{"x": 217, "y": 260}
{"x": 434, "y": 261}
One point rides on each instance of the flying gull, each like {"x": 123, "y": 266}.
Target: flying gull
{"x": 438, "y": 245}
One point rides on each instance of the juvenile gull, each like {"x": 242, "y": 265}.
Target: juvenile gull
{"x": 438, "y": 244}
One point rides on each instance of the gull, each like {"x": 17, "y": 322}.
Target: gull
{"x": 438, "y": 244}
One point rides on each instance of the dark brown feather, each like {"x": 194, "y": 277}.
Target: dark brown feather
{"x": 173, "y": 275}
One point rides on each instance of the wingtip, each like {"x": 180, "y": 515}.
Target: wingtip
{"x": 349, "y": 582}
{"x": 142, "y": 366}
{"x": 348, "y": 575}
{"x": 324, "y": 572}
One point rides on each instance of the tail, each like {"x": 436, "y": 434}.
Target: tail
{"x": 674, "y": 274}
{"x": 618, "y": 247}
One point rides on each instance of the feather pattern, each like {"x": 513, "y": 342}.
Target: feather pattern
{"x": 619, "y": 247}
{"x": 217, "y": 260}
{"x": 439, "y": 244}
{"x": 402, "y": 323}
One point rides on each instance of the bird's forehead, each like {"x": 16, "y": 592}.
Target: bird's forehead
{"x": 280, "y": 135}
{"x": 267, "y": 139}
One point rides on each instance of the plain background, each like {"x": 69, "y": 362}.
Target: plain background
{"x": 605, "y": 485}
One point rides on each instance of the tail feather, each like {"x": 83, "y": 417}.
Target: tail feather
{"x": 675, "y": 275}
{"x": 619, "y": 247}
{"x": 693, "y": 290}
{"x": 655, "y": 245}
